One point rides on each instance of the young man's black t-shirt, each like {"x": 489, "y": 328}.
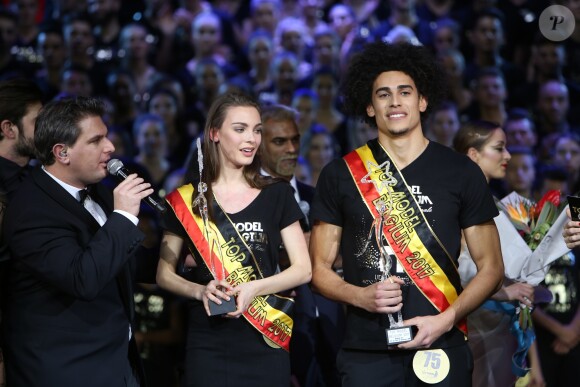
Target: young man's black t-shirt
{"x": 453, "y": 195}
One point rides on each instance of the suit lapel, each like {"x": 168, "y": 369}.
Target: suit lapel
{"x": 305, "y": 191}
{"x": 76, "y": 209}
{"x": 64, "y": 199}
{"x": 103, "y": 197}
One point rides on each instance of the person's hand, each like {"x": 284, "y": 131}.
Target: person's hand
{"x": 129, "y": 193}
{"x": 568, "y": 336}
{"x": 536, "y": 378}
{"x": 216, "y": 291}
{"x": 429, "y": 329}
{"x": 559, "y": 347}
{"x": 520, "y": 291}
{"x": 245, "y": 293}
{"x": 571, "y": 232}
{"x": 382, "y": 297}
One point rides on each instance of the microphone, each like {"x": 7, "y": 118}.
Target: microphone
{"x": 305, "y": 208}
{"x": 116, "y": 168}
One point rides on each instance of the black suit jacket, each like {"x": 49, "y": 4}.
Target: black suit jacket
{"x": 306, "y": 193}
{"x": 69, "y": 296}
{"x": 318, "y": 329}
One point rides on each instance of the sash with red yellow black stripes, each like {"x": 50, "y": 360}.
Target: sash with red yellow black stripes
{"x": 417, "y": 248}
{"x": 222, "y": 249}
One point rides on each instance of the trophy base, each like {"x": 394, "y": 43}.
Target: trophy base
{"x": 400, "y": 335}
{"x": 223, "y": 308}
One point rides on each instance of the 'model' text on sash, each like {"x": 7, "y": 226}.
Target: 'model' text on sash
{"x": 405, "y": 228}
{"x": 220, "y": 246}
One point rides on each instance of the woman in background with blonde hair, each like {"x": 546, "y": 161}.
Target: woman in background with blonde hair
{"x": 489, "y": 336}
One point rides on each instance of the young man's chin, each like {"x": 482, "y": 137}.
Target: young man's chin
{"x": 399, "y": 132}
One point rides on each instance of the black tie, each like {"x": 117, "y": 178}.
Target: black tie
{"x": 84, "y": 194}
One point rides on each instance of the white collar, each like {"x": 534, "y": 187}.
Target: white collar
{"x": 292, "y": 182}
{"x": 74, "y": 191}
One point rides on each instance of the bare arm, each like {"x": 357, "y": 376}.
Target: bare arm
{"x": 483, "y": 243}
{"x": 298, "y": 273}
{"x": 324, "y": 247}
{"x": 536, "y": 376}
{"x": 567, "y": 335}
{"x": 515, "y": 291}
{"x": 167, "y": 278}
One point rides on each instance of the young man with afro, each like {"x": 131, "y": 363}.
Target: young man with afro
{"x": 395, "y": 210}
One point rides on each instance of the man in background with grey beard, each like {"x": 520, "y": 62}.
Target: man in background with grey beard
{"x": 318, "y": 322}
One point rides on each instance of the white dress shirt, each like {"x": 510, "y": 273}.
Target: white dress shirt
{"x": 292, "y": 183}
{"x": 93, "y": 207}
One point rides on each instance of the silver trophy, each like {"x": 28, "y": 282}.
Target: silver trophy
{"x": 396, "y": 333}
{"x": 213, "y": 242}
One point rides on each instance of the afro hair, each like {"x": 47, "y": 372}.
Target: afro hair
{"x": 375, "y": 58}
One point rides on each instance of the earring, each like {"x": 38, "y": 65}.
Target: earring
{"x": 62, "y": 153}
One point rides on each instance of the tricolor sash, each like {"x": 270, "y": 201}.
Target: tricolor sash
{"x": 381, "y": 185}
{"x": 222, "y": 249}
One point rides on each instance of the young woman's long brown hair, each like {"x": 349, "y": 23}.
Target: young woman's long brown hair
{"x": 211, "y": 163}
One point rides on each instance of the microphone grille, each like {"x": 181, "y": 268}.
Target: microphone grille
{"x": 114, "y": 165}
{"x": 305, "y": 207}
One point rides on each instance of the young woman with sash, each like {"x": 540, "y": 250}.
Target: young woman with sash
{"x": 490, "y": 339}
{"x": 235, "y": 244}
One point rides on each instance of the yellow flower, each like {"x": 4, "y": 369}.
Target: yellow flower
{"x": 518, "y": 211}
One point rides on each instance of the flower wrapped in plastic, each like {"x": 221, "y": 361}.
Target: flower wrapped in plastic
{"x": 531, "y": 235}
{"x": 531, "y": 239}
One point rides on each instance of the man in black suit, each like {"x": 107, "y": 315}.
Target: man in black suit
{"x": 21, "y": 101}
{"x": 318, "y": 322}
{"x": 69, "y": 301}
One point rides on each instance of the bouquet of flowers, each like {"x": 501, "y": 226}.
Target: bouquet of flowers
{"x": 531, "y": 235}
{"x": 531, "y": 239}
